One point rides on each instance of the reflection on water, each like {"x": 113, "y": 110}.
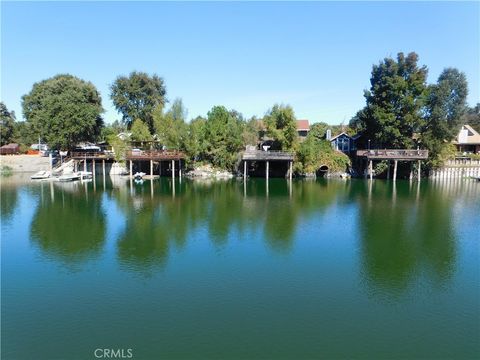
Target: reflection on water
{"x": 402, "y": 228}
{"x": 326, "y": 252}
{"x": 69, "y": 224}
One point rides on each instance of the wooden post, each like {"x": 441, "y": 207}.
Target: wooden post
{"x": 75, "y": 166}
{"x": 395, "y": 170}
{"x": 370, "y": 169}
{"x": 151, "y": 168}
{"x": 103, "y": 167}
{"x": 267, "y": 170}
{"x": 180, "y": 169}
{"x": 173, "y": 169}
{"x": 245, "y": 169}
{"x": 93, "y": 169}
{"x": 85, "y": 165}
{"x": 131, "y": 168}
{"x": 291, "y": 171}
{"x": 419, "y": 169}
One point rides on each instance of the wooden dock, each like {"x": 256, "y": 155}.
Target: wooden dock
{"x": 394, "y": 155}
{"x": 158, "y": 156}
{"x": 267, "y": 156}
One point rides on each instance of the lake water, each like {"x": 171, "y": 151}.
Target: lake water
{"x": 315, "y": 269}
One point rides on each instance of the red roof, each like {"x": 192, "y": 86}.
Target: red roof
{"x": 303, "y": 125}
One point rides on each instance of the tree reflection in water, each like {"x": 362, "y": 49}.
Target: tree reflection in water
{"x": 69, "y": 223}
{"x": 406, "y": 232}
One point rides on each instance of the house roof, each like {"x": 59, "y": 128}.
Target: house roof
{"x": 303, "y": 125}
{"x": 10, "y": 146}
{"x": 472, "y": 138}
{"x": 336, "y": 136}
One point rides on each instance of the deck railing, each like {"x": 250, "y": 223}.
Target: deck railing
{"x": 394, "y": 154}
{"x": 155, "y": 154}
{"x": 267, "y": 155}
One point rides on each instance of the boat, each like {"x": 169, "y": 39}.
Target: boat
{"x": 41, "y": 175}
{"x": 139, "y": 175}
{"x": 85, "y": 175}
{"x": 69, "y": 177}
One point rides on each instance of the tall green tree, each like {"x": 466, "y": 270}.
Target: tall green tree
{"x": 7, "y": 124}
{"x": 394, "y": 102}
{"x": 472, "y": 117}
{"x": 140, "y": 131}
{"x": 445, "y": 108}
{"x": 137, "y": 95}
{"x": 63, "y": 111}
{"x": 223, "y": 137}
{"x": 282, "y": 126}
{"x": 195, "y": 142}
{"x": 171, "y": 127}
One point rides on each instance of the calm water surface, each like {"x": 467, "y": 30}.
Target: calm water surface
{"x": 318, "y": 269}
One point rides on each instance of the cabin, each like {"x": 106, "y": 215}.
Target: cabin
{"x": 10, "y": 149}
{"x": 303, "y": 127}
{"x": 344, "y": 142}
{"x": 467, "y": 141}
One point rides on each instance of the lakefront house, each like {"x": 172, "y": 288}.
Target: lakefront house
{"x": 468, "y": 140}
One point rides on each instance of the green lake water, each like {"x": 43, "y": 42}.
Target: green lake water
{"x": 198, "y": 270}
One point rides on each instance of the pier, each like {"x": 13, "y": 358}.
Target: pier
{"x": 267, "y": 157}
{"x": 394, "y": 155}
{"x": 172, "y": 161}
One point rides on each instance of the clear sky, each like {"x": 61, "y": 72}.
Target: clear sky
{"x": 316, "y": 57}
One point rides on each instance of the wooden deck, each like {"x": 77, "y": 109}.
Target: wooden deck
{"x": 155, "y": 155}
{"x": 259, "y": 155}
{"x": 394, "y": 154}
{"x": 79, "y": 155}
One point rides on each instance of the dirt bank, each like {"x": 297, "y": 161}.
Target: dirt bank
{"x": 25, "y": 163}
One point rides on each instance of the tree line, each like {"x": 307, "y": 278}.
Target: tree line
{"x": 401, "y": 111}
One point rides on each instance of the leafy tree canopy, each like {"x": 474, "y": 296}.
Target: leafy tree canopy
{"x": 445, "y": 107}
{"x": 223, "y": 137}
{"x": 472, "y": 117}
{"x": 63, "y": 111}
{"x": 140, "y": 131}
{"x": 394, "y": 102}
{"x": 282, "y": 126}
{"x": 136, "y": 97}
{"x": 7, "y": 124}
{"x": 171, "y": 127}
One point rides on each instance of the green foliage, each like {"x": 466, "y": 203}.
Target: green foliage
{"x": 137, "y": 96}
{"x": 314, "y": 153}
{"x": 195, "y": 143}
{"x": 394, "y": 103}
{"x": 7, "y": 125}
{"x": 223, "y": 137}
{"x": 24, "y": 135}
{"x": 63, "y": 111}
{"x": 251, "y": 129}
{"x": 472, "y": 117}
{"x": 282, "y": 126}
{"x": 140, "y": 131}
{"x": 446, "y": 105}
{"x": 119, "y": 147}
{"x": 171, "y": 127}
{"x": 318, "y": 130}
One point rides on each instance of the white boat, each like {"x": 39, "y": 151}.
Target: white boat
{"x": 85, "y": 175}
{"x": 139, "y": 175}
{"x": 41, "y": 175}
{"x": 69, "y": 177}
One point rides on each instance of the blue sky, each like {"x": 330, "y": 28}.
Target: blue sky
{"x": 316, "y": 57}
